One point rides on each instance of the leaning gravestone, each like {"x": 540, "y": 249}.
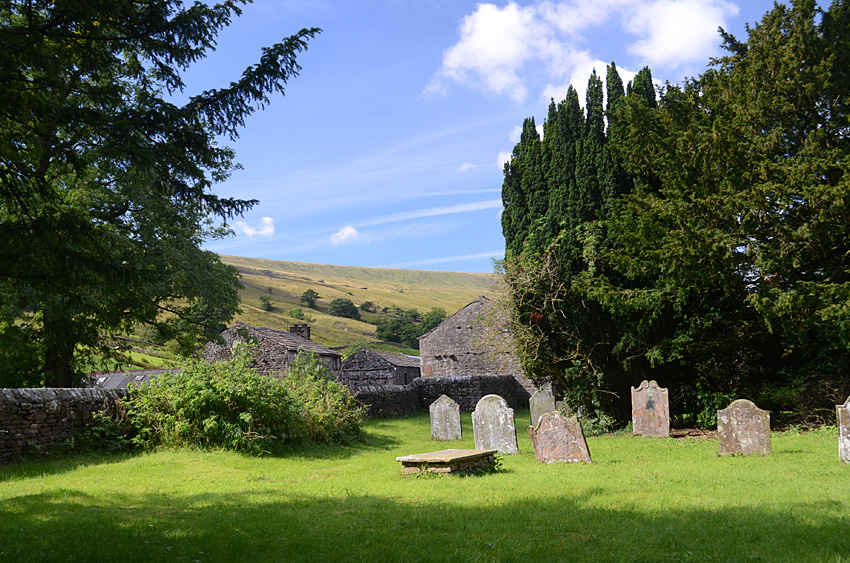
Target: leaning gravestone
{"x": 559, "y": 438}
{"x": 843, "y": 412}
{"x": 541, "y": 401}
{"x": 743, "y": 428}
{"x": 493, "y": 425}
{"x": 650, "y": 410}
{"x": 445, "y": 419}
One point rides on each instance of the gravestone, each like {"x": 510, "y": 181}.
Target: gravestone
{"x": 541, "y": 401}
{"x": 559, "y": 438}
{"x": 743, "y": 428}
{"x": 650, "y": 410}
{"x": 493, "y": 425}
{"x": 445, "y": 419}
{"x": 843, "y": 412}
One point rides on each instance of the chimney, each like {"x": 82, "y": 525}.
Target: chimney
{"x": 301, "y": 329}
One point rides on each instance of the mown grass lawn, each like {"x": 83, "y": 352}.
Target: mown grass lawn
{"x": 641, "y": 500}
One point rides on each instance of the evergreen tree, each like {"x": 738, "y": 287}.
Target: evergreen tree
{"x": 105, "y": 180}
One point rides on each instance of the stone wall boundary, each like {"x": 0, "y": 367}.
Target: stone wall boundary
{"x": 41, "y": 419}
{"x": 385, "y": 401}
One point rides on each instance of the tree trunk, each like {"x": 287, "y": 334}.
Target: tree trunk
{"x": 59, "y": 354}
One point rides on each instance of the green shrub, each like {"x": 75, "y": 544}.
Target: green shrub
{"x": 301, "y": 315}
{"x": 342, "y": 307}
{"x": 330, "y": 413}
{"x": 228, "y": 405}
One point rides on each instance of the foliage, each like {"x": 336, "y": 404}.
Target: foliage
{"x": 105, "y": 181}
{"x": 369, "y": 307}
{"x": 301, "y": 315}
{"x": 703, "y": 239}
{"x": 266, "y": 303}
{"x": 228, "y": 405}
{"x": 406, "y": 330}
{"x": 309, "y": 297}
{"x": 329, "y": 412}
{"x": 342, "y": 307}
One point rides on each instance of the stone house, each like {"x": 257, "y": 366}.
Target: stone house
{"x": 374, "y": 367}
{"x": 275, "y": 349}
{"x": 458, "y": 347}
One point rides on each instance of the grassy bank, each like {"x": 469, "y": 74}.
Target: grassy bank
{"x": 641, "y": 500}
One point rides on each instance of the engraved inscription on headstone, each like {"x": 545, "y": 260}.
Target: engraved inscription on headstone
{"x": 650, "y": 410}
{"x": 559, "y": 438}
{"x": 843, "y": 412}
{"x": 743, "y": 428}
{"x": 493, "y": 425}
{"x": 445, "y": 419}
{"x": 541, "y": 401}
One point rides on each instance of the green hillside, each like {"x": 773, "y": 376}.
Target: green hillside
{"x": 285, "y": 282}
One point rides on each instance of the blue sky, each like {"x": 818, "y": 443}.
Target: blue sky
{"x": 387, "y": 150}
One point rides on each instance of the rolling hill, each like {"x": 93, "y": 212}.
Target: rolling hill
{"x": 285, "y": 282}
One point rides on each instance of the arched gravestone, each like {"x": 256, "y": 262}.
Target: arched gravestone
{"x": 743, "y": 428}
{"x": 445, "y": 419}
{"x": 493, "y": 425}
{"x": 650, "y": 410}
{"x": 542, "y": 401}
{"x": 559, "y": 438}
{"x": 843, "y": 412}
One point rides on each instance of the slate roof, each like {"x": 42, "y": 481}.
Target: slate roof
{"x": 286, "y": 339}
{"x": 398, "y": 360}
{"x": 121, "y": 379}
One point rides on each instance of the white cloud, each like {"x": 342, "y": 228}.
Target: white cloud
{"x": 345, "y": 234}
{"x": 676, "y": 32}
{"x": 506, "y": 51}
{"x": 266, "y": 228}
{"x": 494, "y": 44}
{"x": 504, "y": 157}
{"x": 465, "y": 167}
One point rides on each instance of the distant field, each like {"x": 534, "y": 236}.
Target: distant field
{"x": 285, "y": 282}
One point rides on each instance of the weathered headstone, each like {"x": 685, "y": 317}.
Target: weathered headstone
{"x": 650, "y": 410}
{"x": 743, "y": 428}
{"x": 445, "y": 419}
{"x": 493, "y": 425}
{"x": 559, "y": 438}
{"x": 541, "y": 401}
{"x": 843, "y": 412}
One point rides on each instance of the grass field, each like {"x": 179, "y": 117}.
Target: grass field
{"x": 641, "y": 500}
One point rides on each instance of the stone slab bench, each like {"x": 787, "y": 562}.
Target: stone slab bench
{"x": 449, "y": 461}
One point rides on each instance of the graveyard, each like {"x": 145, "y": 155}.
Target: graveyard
{"x": 641, "y": 499}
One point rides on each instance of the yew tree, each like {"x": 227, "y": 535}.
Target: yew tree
{"x": 106, "y": 178}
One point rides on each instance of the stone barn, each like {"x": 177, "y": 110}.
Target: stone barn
{"x": 274, "y": 351}
{"x": 457, "y": 348}
{"x": 373, "y": 367}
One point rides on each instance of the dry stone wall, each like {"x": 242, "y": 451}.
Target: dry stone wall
{"x": 384, "y": 401}
{"x": 33, "y": 419}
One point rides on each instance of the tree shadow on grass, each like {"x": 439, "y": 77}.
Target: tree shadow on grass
{"x": 286, "y": 525}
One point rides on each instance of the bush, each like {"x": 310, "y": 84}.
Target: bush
{"x": 228, "y": 405}
{"x": 301, "y": 315}
{"x": 342, "y": 307}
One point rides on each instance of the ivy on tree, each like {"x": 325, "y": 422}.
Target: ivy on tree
{"x": 105, "y": 181}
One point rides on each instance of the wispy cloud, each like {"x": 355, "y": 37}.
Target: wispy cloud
{"x": 466, "y": 166}
{"x": 432, "y": 212}
{"x": 265, "y": 229}
{"x": 491, "y": 254}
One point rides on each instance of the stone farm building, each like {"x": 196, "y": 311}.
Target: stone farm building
{"x": 373, "y": 367}
{"x": 458, "y": 347}
{"x": 275, "y": 349}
